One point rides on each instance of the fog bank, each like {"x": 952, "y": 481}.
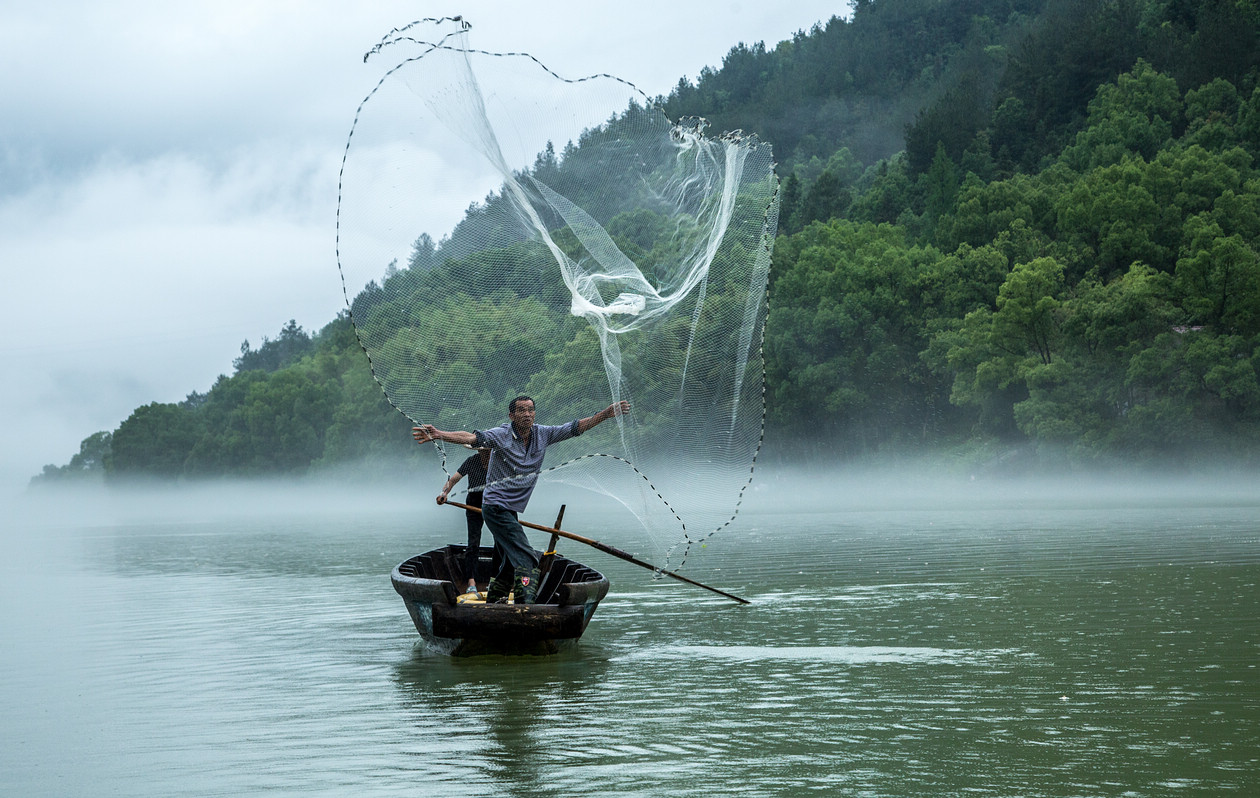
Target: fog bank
{"x": 808, "y": 489}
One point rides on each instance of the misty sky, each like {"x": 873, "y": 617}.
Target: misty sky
{"x": 168, "y": 175}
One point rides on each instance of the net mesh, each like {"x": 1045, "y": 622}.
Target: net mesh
{"x": 631, "y": 263}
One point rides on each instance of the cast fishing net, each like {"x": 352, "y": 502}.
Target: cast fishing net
{"x": 590, "y": 251}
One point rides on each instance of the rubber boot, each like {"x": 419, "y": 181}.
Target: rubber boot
{"x": 528, "y": 587}
{"x": 497, "y": 591}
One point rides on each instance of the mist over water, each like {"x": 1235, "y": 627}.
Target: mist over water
{"x": 910, "y": 634}
{"x": 814, "y": 487}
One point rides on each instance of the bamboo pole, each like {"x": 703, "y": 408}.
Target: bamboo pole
{"x": 604, "y": 547}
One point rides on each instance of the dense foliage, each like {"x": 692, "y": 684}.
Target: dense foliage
{"x": 314, "y": 410}
{"x": 1055, "y": 251}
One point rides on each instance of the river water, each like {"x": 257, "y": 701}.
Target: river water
{"x": 1009, "y": 642}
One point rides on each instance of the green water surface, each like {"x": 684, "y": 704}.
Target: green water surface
{"x": 1020, "y": 647}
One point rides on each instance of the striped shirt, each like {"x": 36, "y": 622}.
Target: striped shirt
{"x": 514, "y": 464}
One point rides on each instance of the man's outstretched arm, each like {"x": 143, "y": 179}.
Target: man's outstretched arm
{"x": 427, "y": 432}
{"x": 614, "y": 409}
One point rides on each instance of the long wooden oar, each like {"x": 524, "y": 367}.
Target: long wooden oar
{"x": 604, "y": 547}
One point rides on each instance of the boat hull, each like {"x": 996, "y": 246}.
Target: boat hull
{"x": 568, "y": 596}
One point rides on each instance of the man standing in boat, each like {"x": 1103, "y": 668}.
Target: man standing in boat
{"x": 517, "y": 450}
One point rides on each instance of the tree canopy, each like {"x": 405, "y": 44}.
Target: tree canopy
{"x": 1006, "y": 225}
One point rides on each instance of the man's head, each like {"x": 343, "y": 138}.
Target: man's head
{"x": 521, "y": 413}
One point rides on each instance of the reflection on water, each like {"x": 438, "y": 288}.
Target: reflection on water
{"x": 995, "y": 649}
{"x": 476, "y": 721}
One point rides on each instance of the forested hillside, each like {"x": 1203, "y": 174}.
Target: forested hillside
{"x": 1007, "y": 226}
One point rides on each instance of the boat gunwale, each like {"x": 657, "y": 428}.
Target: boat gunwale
{"x": 592, "y": 589}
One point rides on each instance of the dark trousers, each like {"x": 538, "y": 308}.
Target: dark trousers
{"x": 519, "y": 558}
{"x": 472, "y": 555}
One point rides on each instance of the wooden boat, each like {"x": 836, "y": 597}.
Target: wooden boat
{"x": 567, "y": 597}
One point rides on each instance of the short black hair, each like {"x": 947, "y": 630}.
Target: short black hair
{"x": 512, "y": 404}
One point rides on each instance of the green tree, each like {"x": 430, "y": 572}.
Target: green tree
{"x": 1112, "y": 218}
{"x": 1084, "y": 399}
{"x": 843, "y": 336}
{"x": 1137, "y": 115}
{"x": 1218, "y": 279}
{"x": 291, "y": 344}
{"x": 1212, "y": 114}
{"x": 994, "y": 353}
{"x": 88, "y": 462}
{"x": 154, "y": 441}
{"x": 286, "y": 417}
{"x": 1026, "y": 321}
{"x": 939, "y": 185}
{"x": 826, "y": 199}
{"x": 224, "y": 446}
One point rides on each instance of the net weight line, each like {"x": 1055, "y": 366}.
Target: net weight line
{"x": 616, "y": 552}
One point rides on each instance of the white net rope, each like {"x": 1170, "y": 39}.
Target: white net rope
{"x": 591, "y": 251}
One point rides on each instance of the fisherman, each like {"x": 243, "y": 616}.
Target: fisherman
{"x": 475, "y": 469}
{"x": 517, "y": 450}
